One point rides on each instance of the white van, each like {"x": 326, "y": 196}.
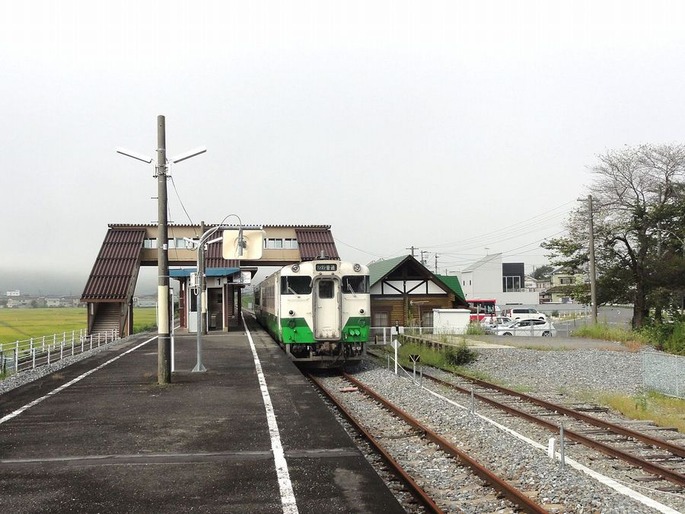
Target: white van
{"x": 519, "y": 313}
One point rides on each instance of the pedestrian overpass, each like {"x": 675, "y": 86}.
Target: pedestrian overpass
{"x": 111, "y": 285}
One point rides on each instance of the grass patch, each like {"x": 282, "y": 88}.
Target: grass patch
{"x": 145, "y": 319}
{"x": 664, "y": 411}
{"x": 19, "y": 324}
{"x": 605, "y": 332}
{"x": 22, "y": 324}
{"x": 449, "y": 359}
{"x": 475, "y": 329}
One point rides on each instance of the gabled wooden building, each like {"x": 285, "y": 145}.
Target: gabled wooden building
{"x": 404, "y": 292}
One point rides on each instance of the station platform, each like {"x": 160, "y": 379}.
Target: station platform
{"x": 103, "y": 436}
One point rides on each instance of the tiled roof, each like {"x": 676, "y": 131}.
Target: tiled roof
{"x": 116, "y": 268}
{"x": 214, "y": 258}
{"x": 315, "y": 242}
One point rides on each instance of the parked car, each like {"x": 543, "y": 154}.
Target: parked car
{"x": 527, "y": 327}
{"x": 517, "y": 313}
{"x": 492, "y": 323}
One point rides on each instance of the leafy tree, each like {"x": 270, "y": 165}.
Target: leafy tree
{"x": 542, "y": 272}
{"x": 638, "y": 214}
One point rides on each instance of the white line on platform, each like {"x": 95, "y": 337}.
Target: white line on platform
{"x": 70, "y": 383}
{"x": 287, "y": 494}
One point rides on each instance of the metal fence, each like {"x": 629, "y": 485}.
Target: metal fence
{"x": 385, "y": 335}
{"x": 664, "y": 373}
{"x": 28, "y": 354}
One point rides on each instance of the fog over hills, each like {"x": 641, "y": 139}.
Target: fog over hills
{"x": 64, "y": 283}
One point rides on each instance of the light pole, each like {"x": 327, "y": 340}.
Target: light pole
{"x": 200, "y": 301}
{"x": 163, "y": 321}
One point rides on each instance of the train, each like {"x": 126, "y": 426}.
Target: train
{"x": 318, "y": 311}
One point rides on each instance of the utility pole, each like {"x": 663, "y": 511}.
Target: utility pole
{"x": 163, "y": 298}
{"x": 163, "y": 334}
{"x": 412, "y": 250}
{"x": 591, "y": 252}
{"x": 423, "y": 259}
{"x": 436, "y": 263}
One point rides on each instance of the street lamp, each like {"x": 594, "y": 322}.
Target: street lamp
{"x": 201, "y": 243}
{"x": 163, "y": 322}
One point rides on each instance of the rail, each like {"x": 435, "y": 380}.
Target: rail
{"x": 28, "y": 354}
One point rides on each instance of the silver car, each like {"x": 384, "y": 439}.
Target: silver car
{"x": 491, "y": 324}
{"x": 527, "y": 327}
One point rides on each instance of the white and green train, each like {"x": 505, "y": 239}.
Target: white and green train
{"x": 318, "y": 311}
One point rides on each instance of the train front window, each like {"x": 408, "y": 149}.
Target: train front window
{"x": 326, "y": 289}
{"x": 353, "y": 284}
{"x": 296, "y": 285}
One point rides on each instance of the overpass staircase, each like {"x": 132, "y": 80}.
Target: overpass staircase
{"x": 112, "y": 282}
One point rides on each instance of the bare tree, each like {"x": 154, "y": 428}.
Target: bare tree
{"x": 638, "y": 199}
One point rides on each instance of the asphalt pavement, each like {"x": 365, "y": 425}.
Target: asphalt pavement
{"x": 249, "y": 435}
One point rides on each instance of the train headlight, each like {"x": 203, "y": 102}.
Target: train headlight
{"x": 357, "y": 268}
{"x": 361, "y": 311}
{"x": 295, "y": 268}
{"x": 291, "y": 312}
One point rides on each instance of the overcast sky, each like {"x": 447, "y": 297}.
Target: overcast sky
{"x": 459, "y": 128}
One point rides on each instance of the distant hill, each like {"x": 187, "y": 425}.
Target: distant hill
{"x": 43, "y": 283}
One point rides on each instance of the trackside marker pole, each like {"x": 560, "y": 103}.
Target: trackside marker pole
{"x": 562, "y": 457}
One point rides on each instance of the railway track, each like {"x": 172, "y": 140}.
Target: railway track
{"x": 472, "y": 486}
{"x": 663, "y": 459}
{"x": 651, "y": 474}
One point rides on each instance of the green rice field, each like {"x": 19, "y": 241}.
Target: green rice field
{"x": 21, "y": 324}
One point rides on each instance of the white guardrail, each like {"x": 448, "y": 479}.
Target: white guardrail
{"x": 28, "y": 354}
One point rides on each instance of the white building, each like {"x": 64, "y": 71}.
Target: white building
{"x": 484, "y": 279}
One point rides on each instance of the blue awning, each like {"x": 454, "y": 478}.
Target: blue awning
{"x": 209, "y": 272}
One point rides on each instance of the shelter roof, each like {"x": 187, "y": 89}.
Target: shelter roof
{"x": 210, "y": 272}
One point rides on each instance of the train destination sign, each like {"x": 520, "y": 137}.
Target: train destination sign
{"x": 327, "y": 267}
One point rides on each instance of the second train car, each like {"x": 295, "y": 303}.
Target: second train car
{"x": 318, "y": 311}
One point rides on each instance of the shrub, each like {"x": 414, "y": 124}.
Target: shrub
{"x": 669, "y": 337}
{"x": 460, "y": 355}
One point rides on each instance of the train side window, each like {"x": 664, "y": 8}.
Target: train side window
{"x": 325, "y": 289}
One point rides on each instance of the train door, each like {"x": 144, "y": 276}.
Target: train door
{"x": 327, "y": 311}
